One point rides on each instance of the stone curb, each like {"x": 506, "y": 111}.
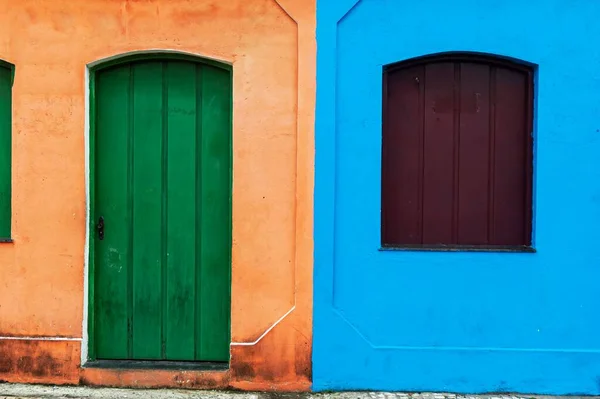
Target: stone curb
{"x": 24, "y": 391}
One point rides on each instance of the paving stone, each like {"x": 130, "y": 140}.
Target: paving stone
{"x": 23, "y": 391}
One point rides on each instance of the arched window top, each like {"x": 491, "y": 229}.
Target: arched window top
{"x": 7, "y": 69}
{"x": 477, "y": 58}
{"x": 6, "y": 64}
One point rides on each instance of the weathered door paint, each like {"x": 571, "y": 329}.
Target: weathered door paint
{"x": 162, "y": 186}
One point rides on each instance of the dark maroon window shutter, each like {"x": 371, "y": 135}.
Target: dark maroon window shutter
{"x": 457, "y": 153}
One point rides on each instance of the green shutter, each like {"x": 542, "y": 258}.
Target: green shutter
{"x": 6, "y": 77}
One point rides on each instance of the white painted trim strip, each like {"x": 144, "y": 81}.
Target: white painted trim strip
{"x": 86, "y": 247}
{"x": 40, "y": 338}
{"x": 266, "y": 332}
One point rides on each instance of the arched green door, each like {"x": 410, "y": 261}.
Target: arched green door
{"x": 162, "y": 211}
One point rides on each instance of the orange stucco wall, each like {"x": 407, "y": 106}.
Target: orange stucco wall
{"x": 43, "y": 274}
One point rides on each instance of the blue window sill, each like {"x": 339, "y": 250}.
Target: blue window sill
{"x": 459, "y": 248}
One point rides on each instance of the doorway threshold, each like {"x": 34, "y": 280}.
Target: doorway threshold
{"x": 156, "y": 365}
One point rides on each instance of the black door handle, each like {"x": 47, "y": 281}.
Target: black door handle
{"x": 100, "y": 228}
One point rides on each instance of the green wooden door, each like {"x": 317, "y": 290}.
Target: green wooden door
{"x": 162, "y": 185}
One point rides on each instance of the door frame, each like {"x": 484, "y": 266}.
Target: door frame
{"x": 88, "y": 348}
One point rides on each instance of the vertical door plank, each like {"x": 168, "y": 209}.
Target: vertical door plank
{"x": 181, "y": 211}
{"x": 5, "y": 150}
{"x": 111, "y": 202}
{"x": 510, "y": 152}
{"x": 402, "y": 157}
{"x": 438, "y": 206}
{"x": 147, "y": 210}
{"x": 215, "y": 211}
{"x": 474, "y": 154}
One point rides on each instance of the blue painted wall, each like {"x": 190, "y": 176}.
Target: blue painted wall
{"x": 464, "y": 322}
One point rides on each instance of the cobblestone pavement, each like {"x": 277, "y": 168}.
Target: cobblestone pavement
{"x": 22, "y": 391}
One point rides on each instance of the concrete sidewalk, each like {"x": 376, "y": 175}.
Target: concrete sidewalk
{"x": 12, "y": 391}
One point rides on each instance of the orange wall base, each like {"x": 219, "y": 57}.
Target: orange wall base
{"x": 272, "y": 364}
{"x": 44, "y": 362}
{"x": 155, "y": 379}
